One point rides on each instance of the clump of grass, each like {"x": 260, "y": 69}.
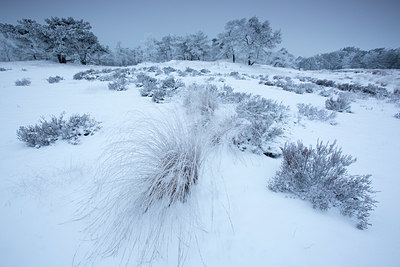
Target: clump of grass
{"x": 146, "y": 177}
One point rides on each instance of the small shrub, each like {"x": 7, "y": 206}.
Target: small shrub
{"x": 341, "y": 104}
{"x": 320, "y": 176}
{"x": 370, "y": 89}
{"x": 55, "y": 79}
{"x": 171, "y": 83}
{"x": 87, "y": 75}
{"x": 192, "y": 72}
{"x": 118, "y": 85}
{"x": 3, "y": 69}
{"x": 201, "y": 98}
{"x": 205, "y": 71}
{"x": 168, "y": 70}
{"x": 158, "y": 95}
{"x": 325, "y": 83}
{"x": 23, "y": 82}
{"x": 153, "y": 69}
{"x": 47, "y": 132}
{"x": 315, "y": 113}
{"x": 148, "y": 84}
{"x": 262, "y": 120}
{"x": 397, "y": 115}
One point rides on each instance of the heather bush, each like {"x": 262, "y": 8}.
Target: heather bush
{"x": 205, "y": 71}
{"x": 262, "y": 121}
{"x": 325, "y": 83}
{"x": 341, "y": 104}
{"x": 201, "y": 99}
{"x": 171, "y": 84}
{"x": 315, "y": 113}
{"x": 47, "y": 132}
{"x": 119, "y": 84}
{"x": 87, "y": 75}
{"x": 148, "y": 84}
{"x": 168, "y": 70}
{"x": 370, "y": 89}
{"x": 23, "y": 82}
{"x": 55, "y": 79}
{"x": 320, "y": 176}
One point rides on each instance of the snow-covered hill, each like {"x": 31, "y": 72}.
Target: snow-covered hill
{"x": 236, "y": 220}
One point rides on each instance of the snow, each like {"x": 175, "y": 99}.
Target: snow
{"x": 239, "y": 221}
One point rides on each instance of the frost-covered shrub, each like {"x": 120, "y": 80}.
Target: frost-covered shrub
{"x": 320, "y": 176}
{"x": 77, "y": 126}
{"x": 192, "y": 72}
{"x": 55, "y": 79}
{"x": 292, "y": 87}
{"x": 158, "y": 95}
{"x": 397, "y": 115}
{"x": 87, "y": 75}
{"x": 205, "y": 71}
{"x": 23, "y": 82}
{"x": 228, "y": 96}
{"x": 325, "y": 83}
{"x": 168, "y": 70}
{"x": 315, "y": 113}
{"x": 145, "y": 177}
{"x": 201, "y": 99}
{"x": 148, "y": 84}
{"x": 262, "y": 119}
{"x": 118, "y": 85}
{"x": 3, "y": 69}
{"x": 341, "y": 104}
{"x": 47, "y": 132}
{"x": 153, "y": 69}
{"x": 369, "y": 89}
{"x": 171, "y": 83}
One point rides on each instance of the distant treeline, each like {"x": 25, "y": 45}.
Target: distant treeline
{"x": 354, "y": 58}
{"x": 246, "y": 40}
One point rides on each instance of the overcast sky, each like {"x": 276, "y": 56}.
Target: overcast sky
{"x": 308, "y": 26}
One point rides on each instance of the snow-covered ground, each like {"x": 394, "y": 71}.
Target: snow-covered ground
{"x": 239, "y": 222}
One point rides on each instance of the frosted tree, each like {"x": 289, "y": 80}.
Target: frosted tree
{"x": 249, "y": 39}
{"x": 31, "y": 35}
{"x": 258, "y": 38}
{"x": 231, "y": 38}
{"x": 166, "y": 48}
{"x": 70, "y": 37}
{"x": 198, "y": 46}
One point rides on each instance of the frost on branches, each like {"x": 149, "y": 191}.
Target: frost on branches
{"x": 319, "y": 175}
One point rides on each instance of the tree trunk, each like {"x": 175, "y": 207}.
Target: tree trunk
{"x": 62, "y": 59}
{"x": 233, "y": 58}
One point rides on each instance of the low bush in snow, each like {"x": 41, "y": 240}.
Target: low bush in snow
{"x": 325, "y": 83}
{"x": 262, "y": 121}
{"x": 341, "y": 104}
{"x": 47, "y": 132}
{"x": 319, "y": 175}
{"x": 397, "y": 115}
{"x": 168, "y": 70}
{"x": 55, "y": 79}
{"x": 370, "y": 89}
{"x": 202, "y": 99}
{"x": 23, "y": 82}
{"x": 86, "y": 75}
{"x": 205, "y": 71}
{"x": 3, "y": 69}
{"x": 315, "y": 113}
{"x": 118, "y": 85}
